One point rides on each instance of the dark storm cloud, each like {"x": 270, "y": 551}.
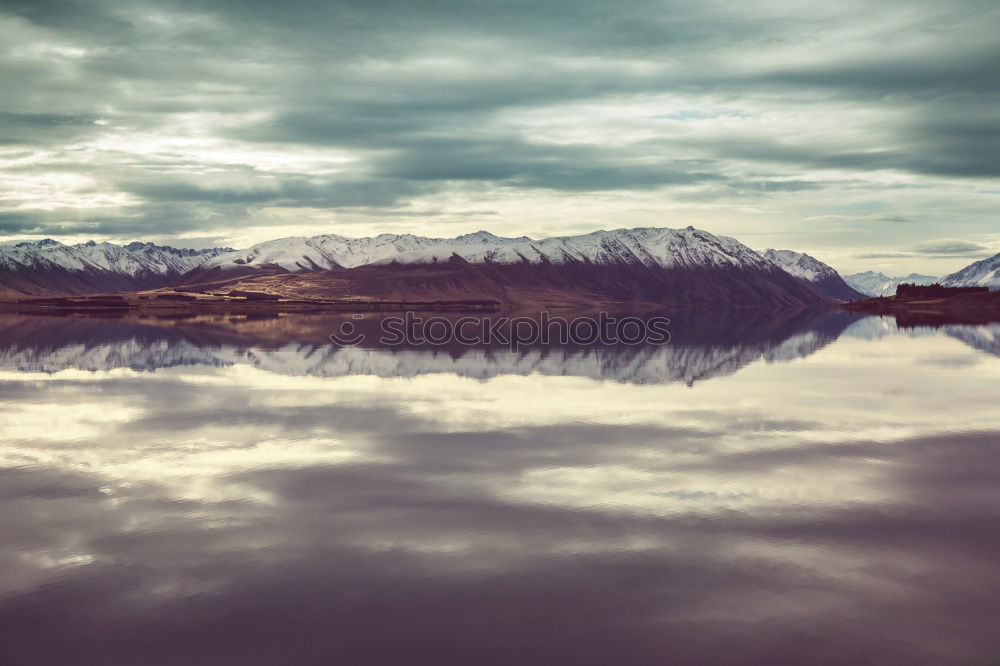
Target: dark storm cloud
{"x": 520, "y": 163}
{"x": 136, "y": 221}
{"x": 970, "y": 69}
{"x": 72, "y": 15}
{"x": 433, "y": 98}
{"x": 564, "y": 25}
{"x": 23, "y": 222}
{"x": 18, "y": 128}
{"x": 289, "y": 191}
{"x": 960, "y": 142}
{"x": 938, "y": 148}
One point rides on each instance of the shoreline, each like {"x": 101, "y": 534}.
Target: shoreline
{"x": 977, "y": 308}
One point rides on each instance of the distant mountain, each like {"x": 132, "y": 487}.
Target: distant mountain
{"x": 821, "y": 277}
{"x": 871, "y": 283}
{"x": 671, "y": 266}
{"x": 985, "y": 273}
{"x": 48, "y": 266}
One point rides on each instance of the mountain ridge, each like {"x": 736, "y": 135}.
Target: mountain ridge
{"x": 48, "y": 266}
{"x": 655, "y": 264}
{"x": 659, "y": 246}
{"x": 822, "y": 277}
{"x": 985, "y": 273}
{"x": 650, "y": 264}
{"x": 874, "y": 283}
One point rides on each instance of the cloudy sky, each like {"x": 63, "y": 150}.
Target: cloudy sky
{"x": 866, "y": 135}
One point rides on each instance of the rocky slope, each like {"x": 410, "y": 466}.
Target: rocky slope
{"x": 821, "y": 277}
{"x": 985, "y": 273}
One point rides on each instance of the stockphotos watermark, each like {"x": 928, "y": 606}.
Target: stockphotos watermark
{"x": 512, "y": 332}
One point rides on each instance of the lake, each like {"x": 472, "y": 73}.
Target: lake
{"x": 766, "y": 488}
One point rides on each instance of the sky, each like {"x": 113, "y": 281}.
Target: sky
{"x": 866, "y": 134}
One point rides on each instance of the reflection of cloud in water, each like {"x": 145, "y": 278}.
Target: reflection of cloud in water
{"x": 838, "y": 509}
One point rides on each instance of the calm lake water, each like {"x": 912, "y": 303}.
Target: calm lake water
{"x": 800, "y": 489}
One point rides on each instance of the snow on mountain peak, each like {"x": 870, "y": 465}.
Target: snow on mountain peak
{"x": 480, "y": 236}
{"x": 651, "y": 246}
{"x": 45, "y": 242}
{"x": 800, "y": 265}
{"x": 985, "y": 273}
{"x": 132, "y": 260}
{"x": 873, "y": 283}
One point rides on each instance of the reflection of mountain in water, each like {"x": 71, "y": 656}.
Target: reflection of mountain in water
{"x": 702, "y": 346}
{"x": 985, "y": 338}
{"x": 875, "y": 327}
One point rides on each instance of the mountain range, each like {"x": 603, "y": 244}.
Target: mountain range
{"x": 985, "y": 273}
{"x": 664, "y": 266}
{"x": 872, "y": 283}
{"x": 657, "y": 265}
{"x": 50, "y": 267}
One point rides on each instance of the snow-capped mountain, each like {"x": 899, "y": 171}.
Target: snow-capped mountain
{"x": 872, "y": 283}
{"x": 297, "y": 254}
{"x": 985, "y": 273}
{"x": 660, "y": 248}
{"x": 820, "y": 276}
{"x": 669, "y": 266}
{"x": 48, "y": 266}
{"x": 664, "y": 248}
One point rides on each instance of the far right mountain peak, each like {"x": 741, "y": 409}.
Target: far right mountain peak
{"x": 985, "y": 273}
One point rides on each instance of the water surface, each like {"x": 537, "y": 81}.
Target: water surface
{"x": 781, "y": 489}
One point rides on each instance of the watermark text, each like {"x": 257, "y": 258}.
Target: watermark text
{"x": 512, "y": 332}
